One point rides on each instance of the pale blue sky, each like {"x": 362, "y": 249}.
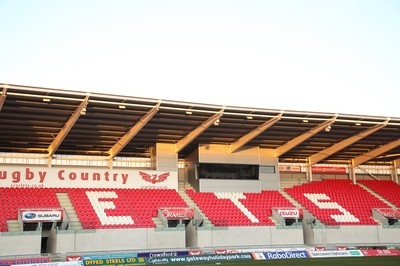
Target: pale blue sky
{"x": 339, "y": 56}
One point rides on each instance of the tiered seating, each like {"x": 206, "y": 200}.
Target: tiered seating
{"x": 337, "y": 202}
{"x": 385, "y": 188}
{"x": 261, "y": 204}
{"x": 239, "y": 209}
{"x": 13, "y": 199}
{"x": 125, "y": 208}
{"x": 96, "y": 208}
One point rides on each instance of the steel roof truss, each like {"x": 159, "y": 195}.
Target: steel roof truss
{"x": 3, "y": 97}
{"x": 67, "y": 128}
{"x": 303, "y": 137}
{"x": 181, "y": 144}
{"x": 122, "y": 142}
{"x": 374, "y": 153}
{"x": 316, "y": 158}
{"x": 254, "y": 133}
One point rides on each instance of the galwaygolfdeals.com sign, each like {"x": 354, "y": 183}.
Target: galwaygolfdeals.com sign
{"x": 68, "y": 177}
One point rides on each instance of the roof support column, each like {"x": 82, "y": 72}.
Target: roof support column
{"x": 352, "y": 172}
{"x": 309, "y": 171}
{"x": 110, "y": 164}
{"x": 395, "y": 176}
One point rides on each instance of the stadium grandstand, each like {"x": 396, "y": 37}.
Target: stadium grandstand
{"x": 90, "y": 173}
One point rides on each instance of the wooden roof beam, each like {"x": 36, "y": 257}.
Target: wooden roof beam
{"x": 254, "y": 133}
{"x": 316, "y": 158}
{"x": 375, "y": 153}
{"x": 122, "y": 142}
{"x": 197, "y": 131}
{"x": 3, "y": 97}
{"x": 67, "y": 128}
{"x": 303, "y": 137}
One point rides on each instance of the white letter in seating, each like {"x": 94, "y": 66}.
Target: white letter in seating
{"x": 345, "y": 217}
{"x": 234, "y": 197}
{"x": 100, "y": 206}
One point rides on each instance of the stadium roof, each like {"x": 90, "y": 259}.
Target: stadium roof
{"x": 51, "y": 121}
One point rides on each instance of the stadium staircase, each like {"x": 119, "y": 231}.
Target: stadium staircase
{"x": 298, "y": 205}
{"x": 66, "y": 204}
{"x": 182, "y": 186}
{"x": 158, "y": 222}
{"x": 13, "y": 226}
{"x": 292, "y": 200}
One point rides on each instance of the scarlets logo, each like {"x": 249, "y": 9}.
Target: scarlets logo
{"x": 177, "y": 213}
{"x": 73, "y": 258}
{"x": 154, "y": 178}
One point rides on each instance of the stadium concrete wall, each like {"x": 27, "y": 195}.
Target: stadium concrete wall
{"x": 214, "y": 185}
{"x": 104, "y": 240}
{"x": 12, "y": 244}
{"x": 356, "y": 235}
{"x": 246, "y": 236}
{"x": 166, "y": 157}
{"x": 116, "y": 239}
{"x": 315, "y": 234}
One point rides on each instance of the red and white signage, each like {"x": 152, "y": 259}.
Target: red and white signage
{"x": 289, "y": 212}
{"x": 177, "y": 213}
{"x": 194, "y": 252}
{"x": 73, "y": 258}
{"x": 75, "y": 177}
{"x": 289, "y": 168}
{"x": 328, "y": 170}
{"x": 37, "y": 215}
{"x": 381, "y": 252}
{"x": 389, "y": 213}
{"x": 15, "y": 261}
{"x": 226, "y": 251}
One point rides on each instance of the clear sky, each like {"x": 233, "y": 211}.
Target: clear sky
{"x": 339, "y": 56}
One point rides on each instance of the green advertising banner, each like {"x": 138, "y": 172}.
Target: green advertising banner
{"x": 115, "y": 262}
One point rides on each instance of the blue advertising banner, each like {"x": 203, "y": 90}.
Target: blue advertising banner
{"x": 281, "y": 255}
{"x": 162, "y": 254}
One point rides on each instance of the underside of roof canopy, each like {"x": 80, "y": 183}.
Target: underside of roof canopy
{"x": 51, "y": 122}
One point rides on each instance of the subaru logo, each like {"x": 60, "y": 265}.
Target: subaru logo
{"x": 29, "y": 215}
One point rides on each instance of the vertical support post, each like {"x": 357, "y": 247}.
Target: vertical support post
{"x": 395, "y": 176}
{"x": 110, "y": 164}
{"x": 309, "y": 171}
{"x": 352, "y": 172}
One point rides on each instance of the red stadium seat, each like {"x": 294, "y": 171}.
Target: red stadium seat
{"x": 385, "y": 188}
{"x": 337, "y": 202}
{"x": 239, "y": 209}
{"x": 133, "y": 207}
